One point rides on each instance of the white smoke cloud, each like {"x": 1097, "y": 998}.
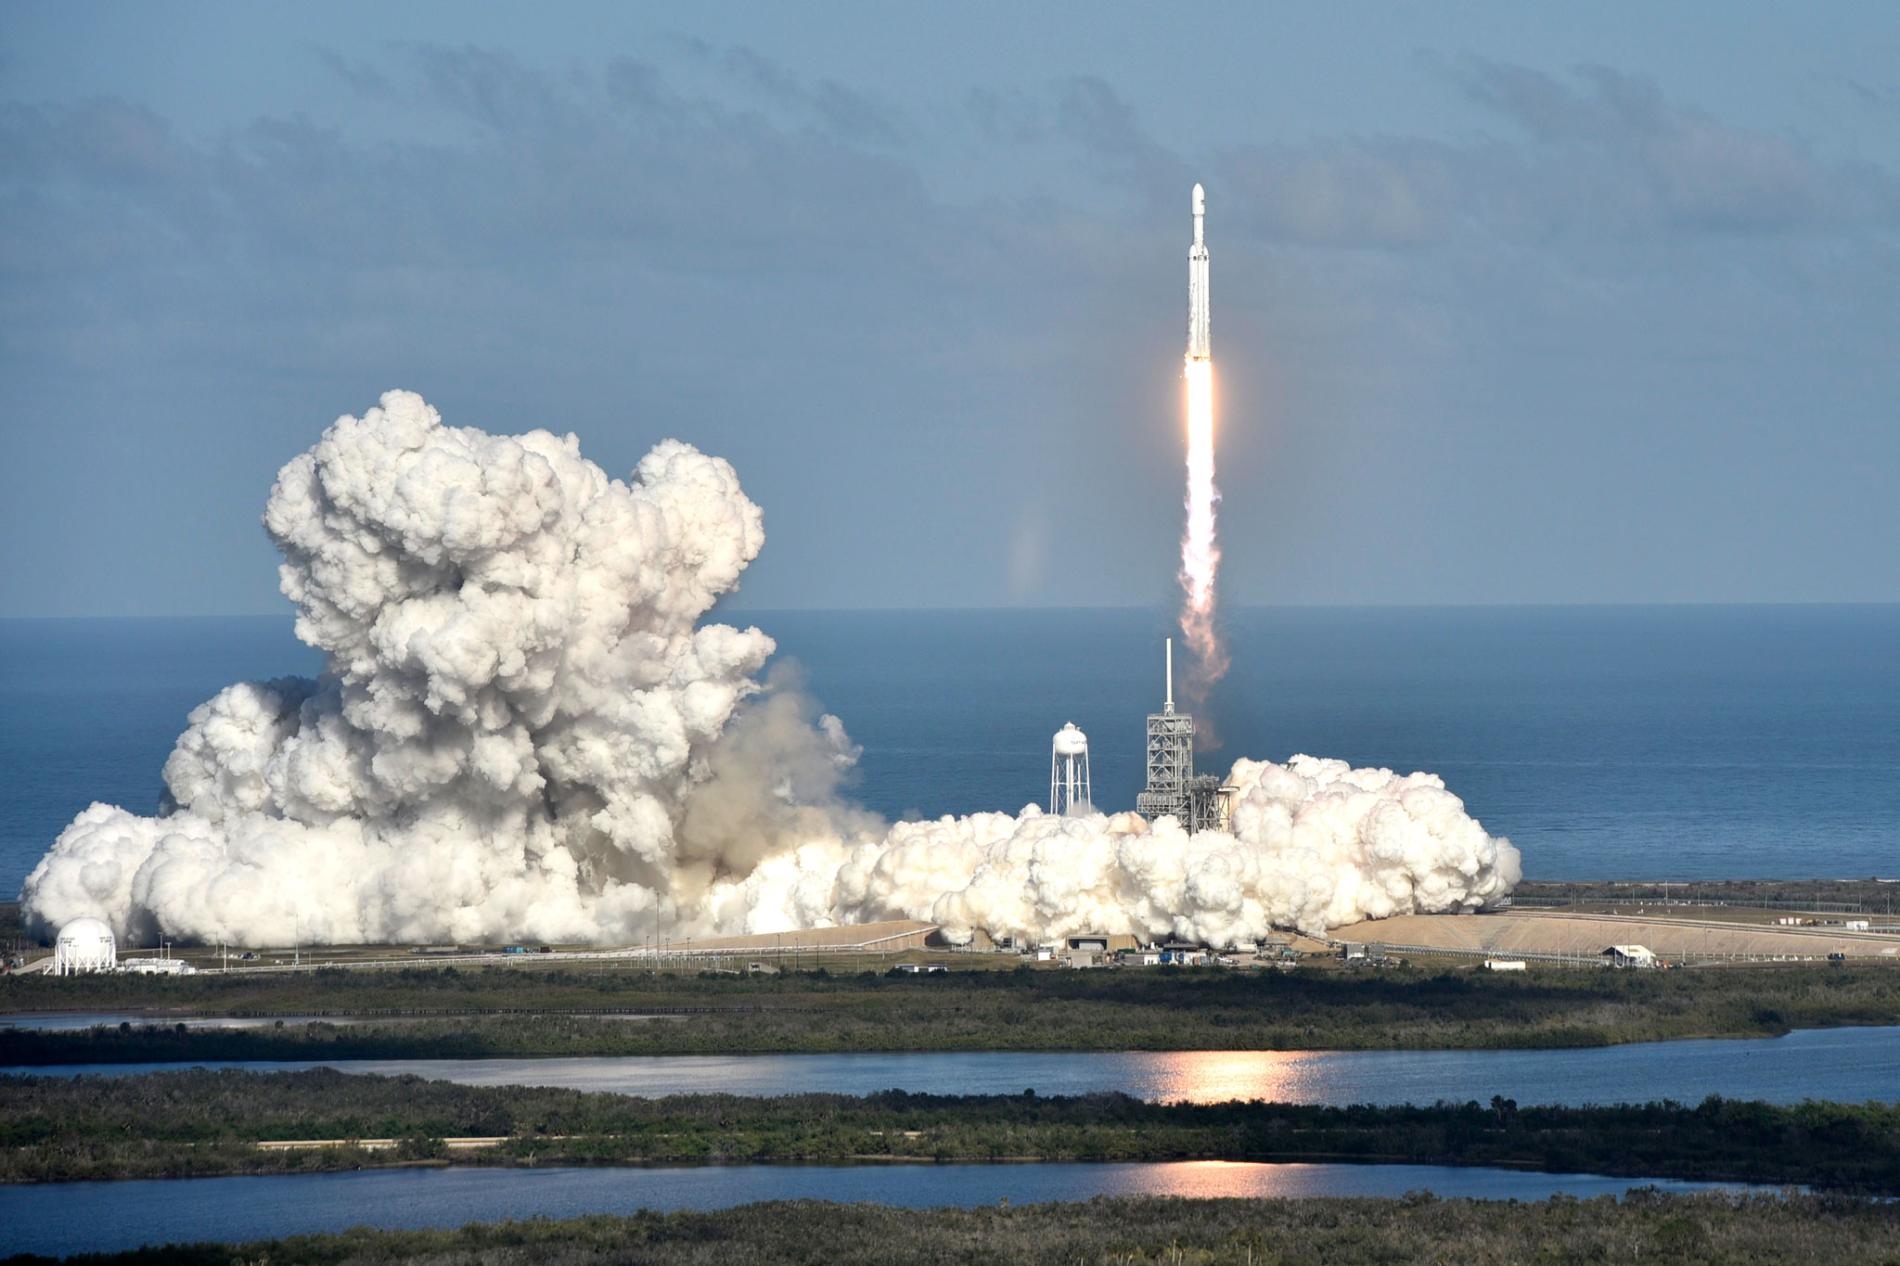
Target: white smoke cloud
{"x": 1314, "y": 844}
{"x": 524, "y": 731}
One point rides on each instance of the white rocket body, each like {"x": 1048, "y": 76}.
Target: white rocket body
{"x": 1198, "y": 347}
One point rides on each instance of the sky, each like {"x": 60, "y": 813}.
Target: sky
{"x": 1511, "y": 303}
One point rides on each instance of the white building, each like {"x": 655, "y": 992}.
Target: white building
{"x": 85, "y": 945}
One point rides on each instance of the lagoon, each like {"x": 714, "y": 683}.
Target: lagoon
{"x": 1848, "y": 1064}
{"x": 48, "y": 1218}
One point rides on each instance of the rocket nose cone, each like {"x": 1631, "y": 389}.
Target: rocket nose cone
{"x": 1200, "y": 200}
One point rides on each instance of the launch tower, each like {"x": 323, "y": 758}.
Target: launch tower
{"x": 1170, "y": 759}
{"x": 1173, "y": 790}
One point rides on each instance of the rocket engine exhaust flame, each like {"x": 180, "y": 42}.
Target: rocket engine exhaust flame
{"x": 1200, "y": 550}
{"x": 1200, "y": 547}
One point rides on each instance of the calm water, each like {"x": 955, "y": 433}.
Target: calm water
{"x": 1853, "y": 1065}
{"x": 121, "y": 1215}
{"x": 1646, "y": 742}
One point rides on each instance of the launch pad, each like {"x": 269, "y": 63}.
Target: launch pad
{"x": 1197, "y": 801}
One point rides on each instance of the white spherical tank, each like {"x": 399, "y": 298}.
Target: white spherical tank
{"x": 1071, "y": 741}
{"x": 85, "y": 945}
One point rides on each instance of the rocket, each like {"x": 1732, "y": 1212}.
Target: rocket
{"x": 1198, "y": 347}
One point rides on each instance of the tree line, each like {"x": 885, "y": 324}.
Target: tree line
{"x": 204, "y": 1121}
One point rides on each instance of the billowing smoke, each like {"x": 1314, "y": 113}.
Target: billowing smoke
{"x": 1314, "y": 845}
{"x": 524, "y": 731}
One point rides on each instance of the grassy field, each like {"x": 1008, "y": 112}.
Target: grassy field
{"x": 1646, "y": 1229}
{"x": 199, "y": 1122}
{"x": 541, "y": 1011}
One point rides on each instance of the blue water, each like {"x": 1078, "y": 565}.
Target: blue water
{"x": 61, "y": 1218}
{"x": 1847, "y": 1065}
{"x": 1608, "y": 742}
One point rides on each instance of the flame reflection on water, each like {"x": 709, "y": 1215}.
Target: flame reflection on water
{"x": 1217, "y": 1179}
{"x": 1214, "y": 1076}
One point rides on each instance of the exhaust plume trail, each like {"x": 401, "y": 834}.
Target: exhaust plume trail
{"x": 1200, "y": 548}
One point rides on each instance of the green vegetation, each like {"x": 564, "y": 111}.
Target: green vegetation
{"x": 492, "y": 1012}
{"x": 1647, "y": 1228}
{"x": 203, "y": 1122}
{"x": 1872, "y": 896}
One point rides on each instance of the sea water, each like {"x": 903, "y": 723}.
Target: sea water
{"x": 1606, "y": 742}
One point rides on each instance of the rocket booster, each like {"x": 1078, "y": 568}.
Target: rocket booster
{"x": 1198, "y": 347}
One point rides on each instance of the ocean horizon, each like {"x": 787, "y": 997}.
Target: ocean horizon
{"x": 1608, "y": 742}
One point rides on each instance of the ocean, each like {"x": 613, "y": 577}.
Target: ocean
{"x": 1606, "y": 742}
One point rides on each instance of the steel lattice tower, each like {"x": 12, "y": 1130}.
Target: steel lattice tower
{"x": 1199, "y": 804}
{"x": 1170, "y": 760}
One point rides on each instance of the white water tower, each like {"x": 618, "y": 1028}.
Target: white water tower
{"x": 1069, "y": 771}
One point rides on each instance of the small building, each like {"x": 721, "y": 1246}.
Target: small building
{"x": 157, "y": 967}
{"x": 921, "y": 969}
{"x": 1504, "y": 964}
{"x": 85, "y": 946}
{"x": 1100, "y": 942}
{"x": 1182, "y": 954}
{"x": 1631, "y": 956}
{"x": 1094, "y": 949}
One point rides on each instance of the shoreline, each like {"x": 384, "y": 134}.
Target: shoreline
{"x": 165, "y": 1027}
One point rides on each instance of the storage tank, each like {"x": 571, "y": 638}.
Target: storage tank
{"x": 85, "y": 945}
